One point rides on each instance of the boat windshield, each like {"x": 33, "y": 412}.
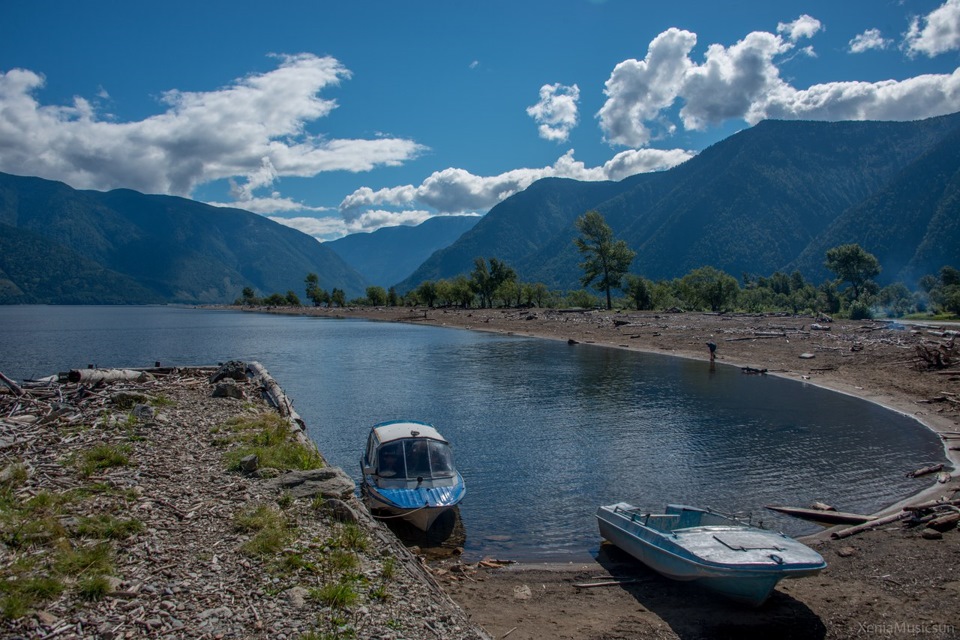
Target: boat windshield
{"x": 415, "y": 458}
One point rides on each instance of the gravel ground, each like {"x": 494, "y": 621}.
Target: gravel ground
{"x": 184, "y": 554}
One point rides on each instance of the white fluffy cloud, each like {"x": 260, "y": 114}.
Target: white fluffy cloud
{"x": 803, "y": 27}
{"x": 456, "y": 191}
{"x": 638, "y": 90}
{"x": 869, "y": 39}
{"x": 556, "y": 113}
{"x": 935, "y": 33}
{"x": 743, "y": 81}
{"x": 251, "y": 132}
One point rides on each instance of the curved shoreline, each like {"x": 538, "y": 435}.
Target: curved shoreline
{"x": 867, "y": 587}
{"x": 549, "y": 325}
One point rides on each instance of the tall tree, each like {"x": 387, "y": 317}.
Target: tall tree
{"x": 314, "y": 292}
{"x": 851, "y": 263}
{"x": 607, "y": 259}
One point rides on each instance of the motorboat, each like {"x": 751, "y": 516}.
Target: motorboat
{"x": 717, "y": 551}
{"x": 408, "y": 472}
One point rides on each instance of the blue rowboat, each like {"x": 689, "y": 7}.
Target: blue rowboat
{"x": 408, "y": 472}
{"x": 721, "y": 553}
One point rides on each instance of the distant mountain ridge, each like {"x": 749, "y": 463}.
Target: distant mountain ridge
{"x": 772, "y": 197}
{"x": 62, "y": 245}
{"x": 384, "y": 255}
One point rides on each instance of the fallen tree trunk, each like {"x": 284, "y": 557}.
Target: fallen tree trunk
{"x": 926, "y": 470}
{"x": 17, "y": 391}
{"x": 923, "y": 506}
{"x": 879, "y": 522}
{"x": 93, "y": 376}
{"x": 945, "y": 523}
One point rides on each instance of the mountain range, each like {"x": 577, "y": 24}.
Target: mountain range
{"x": 770, "y": 198}
{"x": 60, "y": 245}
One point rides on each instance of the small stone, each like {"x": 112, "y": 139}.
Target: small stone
{"x": 522, "y": 592}
{"x": 144, "y": 412}
{"x": 931, "y": 534}
{"x": 46, "y": 618}
{"x": 341, "y": 511}
{"x": 296, "y": 596}
{"x": 846, "y": 552}
{"x": 249, "y": 464}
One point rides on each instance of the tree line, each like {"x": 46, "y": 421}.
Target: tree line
{"x": 606, "y": 262}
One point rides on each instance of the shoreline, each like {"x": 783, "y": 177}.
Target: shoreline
{"x": 867, "y": 587}
{"x": 165, "y": 581}
{"x": 902, "y": 403}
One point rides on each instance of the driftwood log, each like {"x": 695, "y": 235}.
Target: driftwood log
{"x": 933, "y": 468}
{"x": 17, "y": 391}
{"x": 866, "y": 526}
{"x": 945, "y": 522}
{"x": 923, "y": 506}
{"x": 93, "y": 376}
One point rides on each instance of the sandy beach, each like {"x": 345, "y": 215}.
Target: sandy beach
{"x": 887, "y": 582}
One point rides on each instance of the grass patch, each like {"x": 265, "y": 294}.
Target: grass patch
{"x": 40, "y": 560}
{"x": 18, "y": 596}
{"x": 336, "y": 595}
{"x": 93, "y": 588}
{"x": 84, "y": 561}
{"x": 162, "y": 401}
{"x": 103, "y": 456}
{"x": 270, "y": 529}
{"x": 389, "y": 569}
{"x": 107, "y": 527}
{"x": 268, "y": 436}
{"x": 353, "y": 537}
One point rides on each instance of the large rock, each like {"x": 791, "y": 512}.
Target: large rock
{"x": 329, "y": 482}
{"x": 233, "y": 370}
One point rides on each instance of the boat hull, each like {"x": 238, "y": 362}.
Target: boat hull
{"x": 686, "y": 555}
{"x": 420, "y": 507}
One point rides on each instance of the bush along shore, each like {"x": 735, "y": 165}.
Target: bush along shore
{"x": 188, "y": 503}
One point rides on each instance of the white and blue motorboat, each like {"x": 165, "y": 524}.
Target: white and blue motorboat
{"x": 408, "y": 472}
{"x": 721, "y": 553}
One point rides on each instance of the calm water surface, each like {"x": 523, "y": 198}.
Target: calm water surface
{"x": 543, "y": 432}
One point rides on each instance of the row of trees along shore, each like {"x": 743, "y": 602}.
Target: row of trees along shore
{"x": 606, "y": 263}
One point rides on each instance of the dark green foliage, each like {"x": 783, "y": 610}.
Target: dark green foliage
{"x": 606, "y": 259}
{"x": 377, "y": 296}
{"x": 852, "y": 264}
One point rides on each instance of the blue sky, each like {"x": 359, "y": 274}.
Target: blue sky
{"x": 344, "y": 117}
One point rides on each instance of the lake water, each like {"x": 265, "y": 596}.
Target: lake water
{"x": 543, "y": 432}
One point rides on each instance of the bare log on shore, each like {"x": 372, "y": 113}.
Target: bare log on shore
{"x": 17, "y": 391}
{"x": 879, "y": 522}
{"x": 93, "y": 376}
{"x": 945, "y": 522}
{"x": 933, "y": 468}
{"x": 923, "y": 506}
